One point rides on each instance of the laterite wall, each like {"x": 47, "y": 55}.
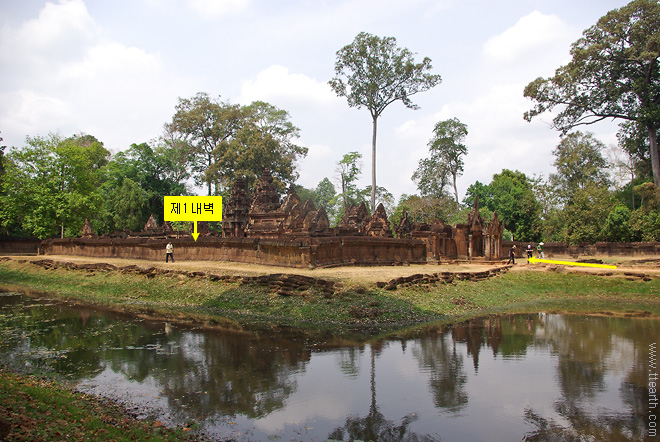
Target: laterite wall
{"x": 300, "y": 252}
{"x": 599, "y": 248}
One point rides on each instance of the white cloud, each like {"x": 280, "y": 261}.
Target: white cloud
{"x": 316, "y": 165}
{"x": 276, "y": 83}
{"x": 215, "y": 8}
{"x": 59, "y": 34}
{"x": 498, "y": 137}
{"x": 535, "y": 37}
{"x": 29, "y": 110}
{"x": 62, "y": 75}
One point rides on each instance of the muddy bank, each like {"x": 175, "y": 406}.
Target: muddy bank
{"x": 325, "y": 306}
{"x": 285, "y": 284}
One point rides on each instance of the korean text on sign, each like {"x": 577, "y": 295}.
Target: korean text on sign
{"x": 193, "y": 208}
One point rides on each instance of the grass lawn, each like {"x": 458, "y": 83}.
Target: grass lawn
{"x": 354, "y": 305}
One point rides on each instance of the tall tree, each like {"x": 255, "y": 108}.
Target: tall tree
{"x": 204, "y": 124}
{"x": 349, "y": 169}
{"x": 581, "y": 185}
{"x": 447, "y": 145}
{"x": 614, "y": 73}
{"x": 229, "y": 140}
{"x": 431, "y": 177}
{"x": 324, "y": 194}
{"x": 59, "y": 181}
{"x": 579, "y": 161}
{"x": 2, "y": 158}
{"x": 373, "y": 72}
{"x": 511, "y": 195}
{"x": 265, "y": 139}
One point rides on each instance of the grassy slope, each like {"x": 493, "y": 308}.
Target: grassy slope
{"x": 235, "y": 305}
{"x": 37, "y": 409}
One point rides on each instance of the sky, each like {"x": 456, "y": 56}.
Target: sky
{"x": 116, "y": 69}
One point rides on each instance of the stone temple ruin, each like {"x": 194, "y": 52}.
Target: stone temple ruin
{"x": 267, "y": 217}
{"x": 290, "y": 232}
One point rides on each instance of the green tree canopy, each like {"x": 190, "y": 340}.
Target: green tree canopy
{"x": 614, "y": 73}
{"x": 587, "y": 215}
{"x": 511, "y": 195}
{"x": 51, "y": 185}
{"x": 137, "y": 180}
{"x": 373, "y": 72}
{"x": 447, "y": 146}
{"x": 431, "y": 177}
{"x": 425, "y": 209}
{"x": 349, "y": 169}
{"x": 579, "y": 161}
{"x": 479, "y": 191}
{"x": 230, "y": 141}
{"x": 516, "y": 205}
{"x": 325, "y": 194}
{"x": 203, "y": 124}
{"x": 383, "y": 196}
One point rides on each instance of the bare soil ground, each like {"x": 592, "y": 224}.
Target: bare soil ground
{"x": 626, "y": 266}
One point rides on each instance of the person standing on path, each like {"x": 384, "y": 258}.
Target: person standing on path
{"x": 512, "y": 255}
{"x": 169, "y": 252}
{"x": 539, "y": 250}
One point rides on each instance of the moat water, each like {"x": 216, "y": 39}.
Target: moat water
{"x": 540, "y": 377}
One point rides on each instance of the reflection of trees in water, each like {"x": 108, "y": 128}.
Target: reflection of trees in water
{"x": 438, "y": 357}
{"x": 230, "y": 375}
{"x": 375, "y": 426}
{"x": 66, "y": 339}
{"x": 205, "y": 374}
{"x": 349, "y": 360}
{"x": 215, "y": 374}
{"x": 587, "y": 349}
{"x": 508, "y": 335}
{"x": 210, "y": 374}
{"x": 585, "y": 426}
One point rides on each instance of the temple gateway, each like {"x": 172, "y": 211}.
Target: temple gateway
{"x": 290, "y": 232}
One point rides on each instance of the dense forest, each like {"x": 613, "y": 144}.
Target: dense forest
{"x": 50, "y": 186}
{"x": 597, "y": 193}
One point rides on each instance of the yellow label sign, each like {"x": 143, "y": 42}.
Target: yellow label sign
{"x": 193, "y": 208}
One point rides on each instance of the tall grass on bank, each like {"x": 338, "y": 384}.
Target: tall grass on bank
{"x": 195, "y": 299}
{"x": 37, "y": 409}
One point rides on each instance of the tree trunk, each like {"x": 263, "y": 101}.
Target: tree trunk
{"x": 373, "y": 166}
{"x": 632, "y": 183}
{"x": 343, "y": 191}
{"x": 455, "y": 189}
{"x": 210, "y": 161}
{"x": 655, "y": 158}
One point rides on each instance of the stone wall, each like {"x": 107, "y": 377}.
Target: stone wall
{"x": 599, "y": 248}
{"x": 19, "y": 246}
{"x": 301, "y": 252}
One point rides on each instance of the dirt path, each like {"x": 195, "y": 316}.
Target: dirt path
{"x": 626, "y": 267}
{"x": 346, "y": 274}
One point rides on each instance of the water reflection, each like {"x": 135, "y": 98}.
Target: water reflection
{"x": 516, "y": 377}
